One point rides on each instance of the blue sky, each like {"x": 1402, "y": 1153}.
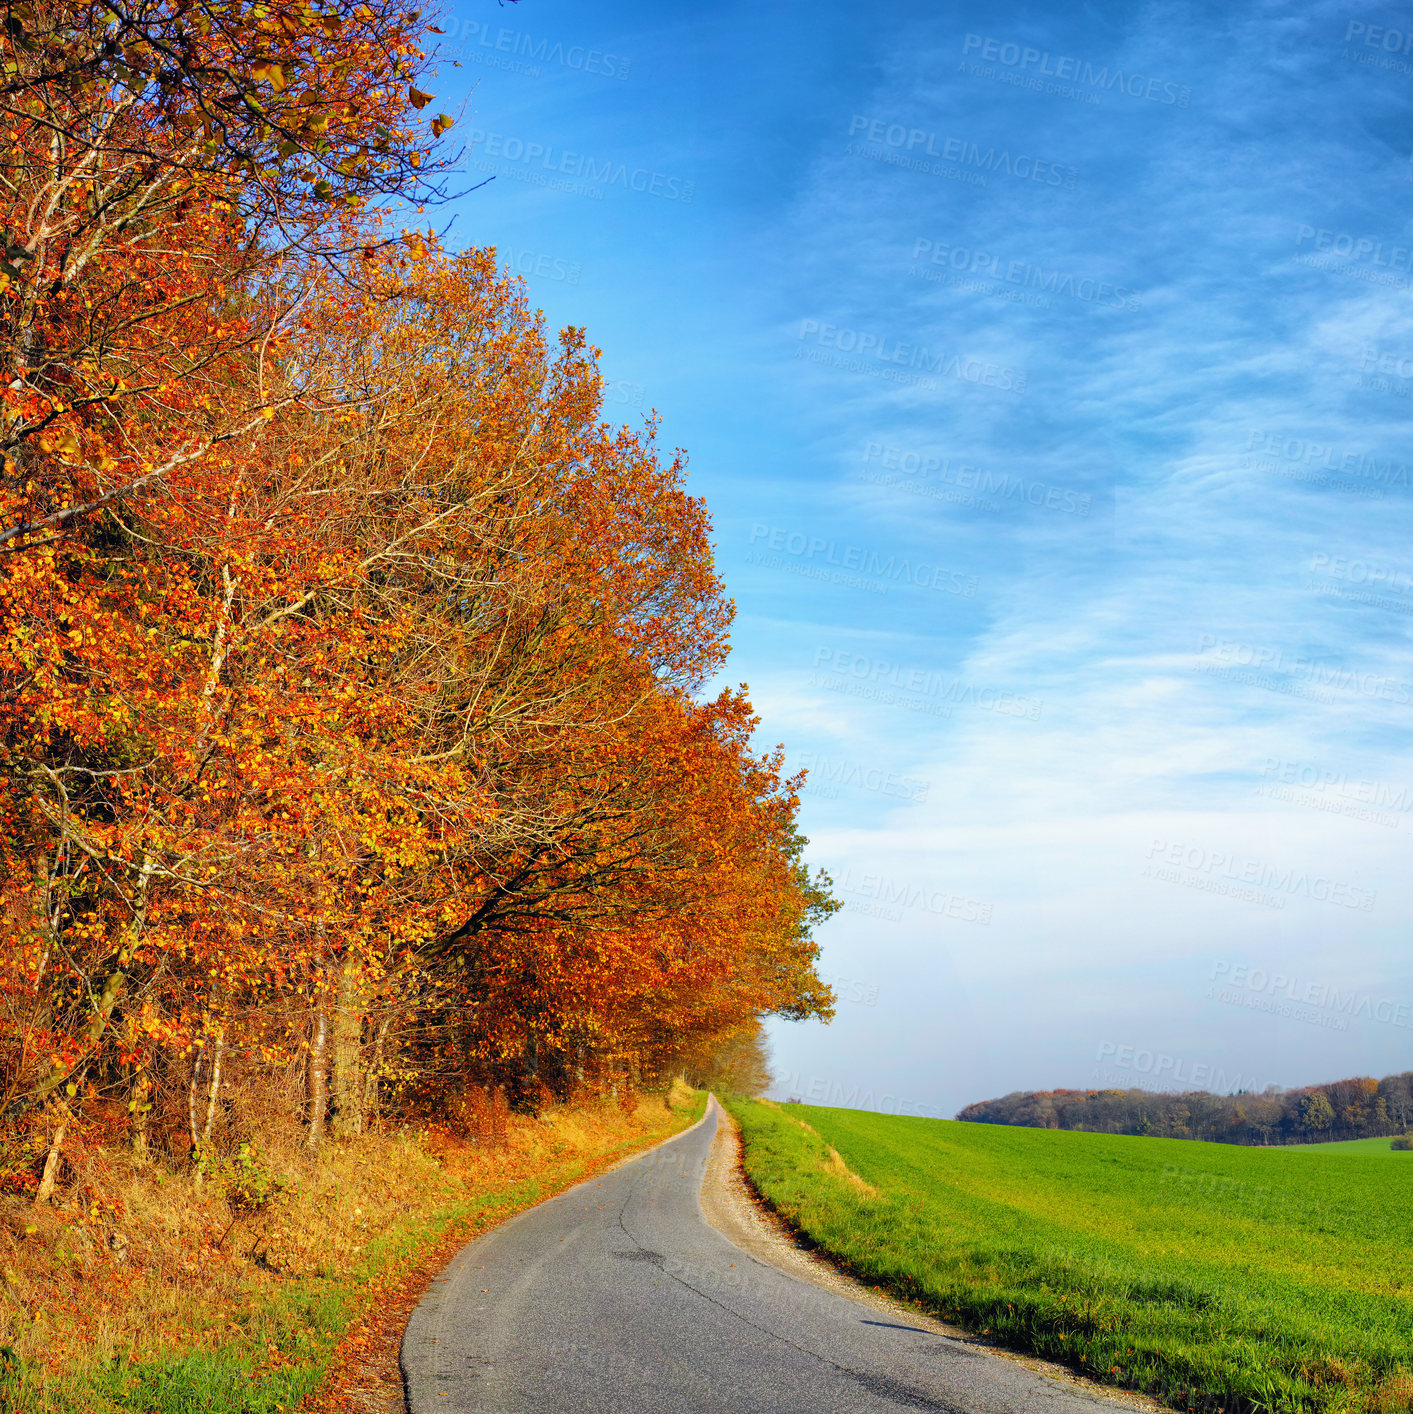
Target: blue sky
{"x": 1049, "y": 376}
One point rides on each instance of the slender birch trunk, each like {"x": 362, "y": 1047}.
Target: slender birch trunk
{"x": 318, "y": 1071}
{"x": 191, "y": 1090}
{"x": 214, "y": 1092}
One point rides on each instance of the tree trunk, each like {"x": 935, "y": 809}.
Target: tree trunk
{"x": 374, "y": 1072}
{"x": 141, "y": 1110}
{"x": 215, "y": 1089}
{"x": 191, "y": 1102}
{"x": 348, "y": 1051}
{"x": 318, "y": 1073}
{"x": 45, "y": 1191}
{"x": 140, "y": 1104}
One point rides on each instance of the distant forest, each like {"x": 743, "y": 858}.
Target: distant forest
{"x": 1360, "y": 1108}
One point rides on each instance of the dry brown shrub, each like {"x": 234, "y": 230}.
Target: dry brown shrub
{"x": 481, "y": 1115}
{"x": 628, "y": 1095}
{"x": 268, "y": 1111}
{"x": 1393, "y": 1395}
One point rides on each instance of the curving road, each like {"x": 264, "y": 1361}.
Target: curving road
{"x": 618, "y": 1298}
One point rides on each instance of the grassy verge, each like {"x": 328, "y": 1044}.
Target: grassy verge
{"x": 1211, "y": 1276}
{"x": 205, "y": 1307}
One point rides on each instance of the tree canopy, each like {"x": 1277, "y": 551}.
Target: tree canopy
{"x": 354, "y": 722}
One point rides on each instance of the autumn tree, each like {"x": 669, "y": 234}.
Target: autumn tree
{"x": 736, "y": 1062}
{"x": 396, "y": 759}
{"x": 352, "y": 726}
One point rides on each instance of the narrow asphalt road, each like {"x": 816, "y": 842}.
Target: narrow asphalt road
{"x": 618, "y": 1298}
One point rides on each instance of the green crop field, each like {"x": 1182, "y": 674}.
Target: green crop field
{"x": 1353, "y": 1146}
{"x": 1211, "y": 1276}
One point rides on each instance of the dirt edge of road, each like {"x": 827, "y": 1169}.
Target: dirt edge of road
{"x": 732, "y": 1206}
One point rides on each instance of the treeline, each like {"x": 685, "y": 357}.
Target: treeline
{"x": 353, "y": 744}
{"x": 1360, "y": 1108}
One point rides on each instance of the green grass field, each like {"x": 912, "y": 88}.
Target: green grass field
{"x": 1211, "y": 1276}
{"x": 1352, "y": 1146}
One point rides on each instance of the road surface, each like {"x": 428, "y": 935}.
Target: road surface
{"x": 617, "y": 1297}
